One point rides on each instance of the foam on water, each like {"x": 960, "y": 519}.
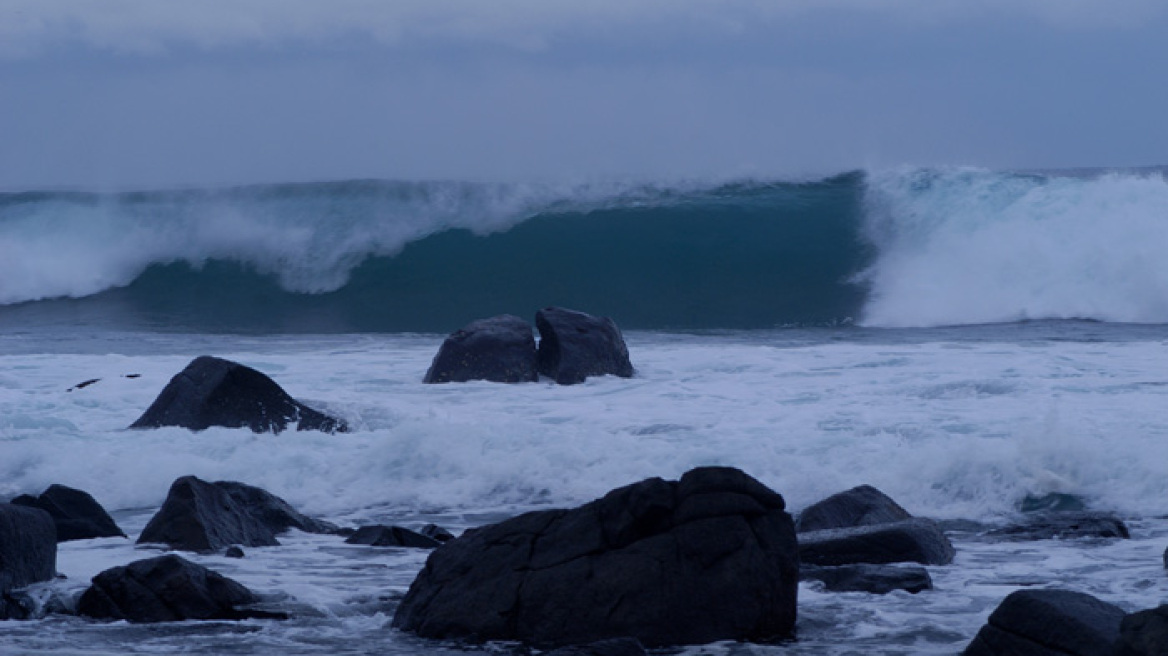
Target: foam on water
{"x": 958, "y": 424}
{"x": 969, "y": 246}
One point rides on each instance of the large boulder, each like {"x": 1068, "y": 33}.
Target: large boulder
{"x": 1048, "y": 623}
{"x": 710, "y": 557}
{"x": 77, "y": 515}
{"x": 613, "y": 647}
{"x": 860, "y": 506}
{"x": 499, "y": 349}
{"x": 201, "y": 516}
{"x": 215, "y": 392}
{"x": 1144, "y": 633}
{"x": 28, "y": 550}
{"x": 167, "y": 589}
{"x": 914, "y": 540}
{"x": 574, "y": 345}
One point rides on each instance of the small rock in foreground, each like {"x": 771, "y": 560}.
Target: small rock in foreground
{"x": 77, "y": 515}
{"x": 167, "y": 589}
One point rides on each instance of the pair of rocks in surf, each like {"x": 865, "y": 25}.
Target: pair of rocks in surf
{"x": 573, "y": 346}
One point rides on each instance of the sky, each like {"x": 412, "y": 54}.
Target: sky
{"x": 155, "y": 93}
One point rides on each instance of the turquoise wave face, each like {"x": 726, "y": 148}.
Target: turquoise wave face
{"x": 734, "y": 256}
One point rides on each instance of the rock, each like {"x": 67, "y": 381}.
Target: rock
{"x": 234, "y": 552}
{"x": 613, "y": 647}
{"x": 710, "y": 557}
{"x": 1064, "y": 526}
{"x": 437, "y": 532}
{"x": 1144, "y": 633}
{"x": 860, "y": 506}
{"x": 28, "y": 546}
{"x": 912, "y": 540}
{"x": 167, "y": 589}
{"x": 1048, "y": 623}
{"x": 391, "y": 536}
{"x": 205, "y": 517}
{"x": 574, "y": 346}
{"x": 875, "y": 579}
{"x": 216, "y": 392}
{"x": 499, "y": 349}
{"x": 77, "y": 515}
{"x": 1053, "y": 502}
{"x": 200, "y": 516}
{"x": 272, "y": 511}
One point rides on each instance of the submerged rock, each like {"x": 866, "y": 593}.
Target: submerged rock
{"x": 28, "y": 552}
{"x": 215, "y": 392}
{"x": 499, "y": 349}
{"x": 874, "y": 579}
{"x": 613, "y": 647}
{"x": 912, "y": 540}
{"x": 574, "y": 345}
{"x": 863, "y": 505}
{"x": 204, "y": 517}
{"x": 1064, "y": 526}
{"x": 391, "y": 536}
{"x": 710, "y": 557}
{"x": 167, "y": 589}
{"x": 76, "y": 514}
{"x": 1049, "y": 623}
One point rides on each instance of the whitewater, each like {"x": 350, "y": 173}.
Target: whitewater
{"x": 974, "y": 338}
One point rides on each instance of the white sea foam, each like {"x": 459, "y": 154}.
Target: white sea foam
{"x": 967, "y": 246}
{"x": 958, "y": 429}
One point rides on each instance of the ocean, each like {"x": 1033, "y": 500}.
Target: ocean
{"x": 960, "y": 338}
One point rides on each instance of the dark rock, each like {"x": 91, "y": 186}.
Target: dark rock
{"x": 234, "y": 552}
{"x": 710, "y": 557}
{"x": 876, "y": 579}
{"x": 1064, "y": 526}
{"x": 216, "y": 392}
{"x": 77, "y": 515}
{"x": 1053, "y": 502}
{"x": 1048, "y": 623}
{"x": 1144, "y": 633}
{"x": 272, "y": 511}
{"x": 499, "y": 349}
{"x": 28, "y": 546}
{"x": 437, "y": 532}
{"x": 166, "y": 589}
{"x": 201, "y": 516}
{"x": 574, "y": 346}
{"x": 912, "y": 540}
{"x": 860, "y": 506}
{"x": 391, "y": 536}
{"x": 613, "y": 647}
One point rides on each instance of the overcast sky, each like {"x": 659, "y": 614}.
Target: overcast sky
{"x": 147, "y": 93}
